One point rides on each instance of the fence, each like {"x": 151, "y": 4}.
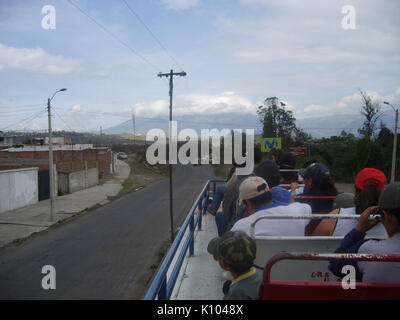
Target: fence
{"x": 161, "y": 287}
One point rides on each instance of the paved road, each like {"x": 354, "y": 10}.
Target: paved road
{"x": 105, "y": 253}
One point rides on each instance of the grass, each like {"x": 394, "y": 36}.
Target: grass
{"x": 221, "y": 170}
{"x": 143, "y": 173}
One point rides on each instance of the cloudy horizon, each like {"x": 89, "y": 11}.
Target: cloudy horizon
{"x": 235, "y": 54}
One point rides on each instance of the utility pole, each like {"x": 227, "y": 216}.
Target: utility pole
{"x": 51, "y": 167}
{"x": 392, "y": 177}
{"x": 51, "y": 172}
{"x": 134, "y": 129}
{"x": 393, "y": 171}
{"x": 171, "y": 75}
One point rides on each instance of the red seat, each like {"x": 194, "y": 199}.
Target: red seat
{"x": 316, "y": 290}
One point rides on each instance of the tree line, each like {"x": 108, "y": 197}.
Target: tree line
{"x": 345, "y": 154}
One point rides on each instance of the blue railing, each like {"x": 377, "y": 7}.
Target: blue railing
{"x": 160, "y": 287}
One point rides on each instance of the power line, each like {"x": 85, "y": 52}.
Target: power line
{"x": 26, "y": 105}
{"x": 114, "y": 36}
{"x": 55, "y": 111}
{"x": 30, "y": 118}
{"x": 152, "y": 34}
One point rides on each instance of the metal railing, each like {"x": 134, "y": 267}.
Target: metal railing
{"x": 161, "y": 287}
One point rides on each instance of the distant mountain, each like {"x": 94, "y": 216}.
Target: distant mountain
{"x": 318, "y": 127}
{"x": 195, "y": 122}
{"x": 328, "y": 126}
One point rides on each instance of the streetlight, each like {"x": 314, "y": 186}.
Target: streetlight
{"x": 392, "y": 174}
{"x": 51, "y": 157}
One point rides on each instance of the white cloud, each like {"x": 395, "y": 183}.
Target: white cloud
{"x": 180, "y": 4}
{"x": 310, "y": 33}
{"x": 37, "y": 61}
{"x": 197, "y": 103}
{"x": 348, "y": 105}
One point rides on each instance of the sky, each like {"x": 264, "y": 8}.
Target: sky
{"x": 236, "y": 53}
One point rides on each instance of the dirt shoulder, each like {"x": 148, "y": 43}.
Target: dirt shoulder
{"x": 142, "y": 174}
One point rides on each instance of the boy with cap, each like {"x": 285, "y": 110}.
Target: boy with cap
{"x": 256, "y": 195}
{"x": 235, "y": 252}
{"x": 354, "y": 242}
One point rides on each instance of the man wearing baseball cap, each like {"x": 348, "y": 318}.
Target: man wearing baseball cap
{"x": 254, "y": 192}
{"x": 388, "y": 210}
{"x": 235, "y": 252}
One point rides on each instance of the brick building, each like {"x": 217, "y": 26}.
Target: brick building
{"x": 77, "y": 166}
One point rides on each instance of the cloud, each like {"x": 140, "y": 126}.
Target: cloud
{"x": 349, "y": 105}
{"x": 311, "y": 33}
{"x": 37, "y": 61}
{"x": 195, "y": 104}
{"x": 180, "y": 4}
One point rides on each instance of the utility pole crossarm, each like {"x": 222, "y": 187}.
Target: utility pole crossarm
{"x": 182, "y": 74}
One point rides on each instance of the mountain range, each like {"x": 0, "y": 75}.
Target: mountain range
{"x": 318, "y": 127}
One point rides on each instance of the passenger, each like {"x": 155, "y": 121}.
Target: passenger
{"x": 354, "y": 242}
{"x": 343, "y": 200}
{"x": 276, "y": 155}
{"x": 318, "y": 182}
{"x": 257, "y": 197}
{"x": 368, "y": 186}
{"x": 288, "y": 162}
{"x": 281, "y": 196}
{"x": 296, "y": 189}
{"x": 220, "y": 190}
{"x": 267, "y": 170}
{"x": 225, "y": 218}
{"x": 235, "y": 252}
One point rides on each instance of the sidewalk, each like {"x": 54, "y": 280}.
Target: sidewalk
{"x": 23, "y": 222}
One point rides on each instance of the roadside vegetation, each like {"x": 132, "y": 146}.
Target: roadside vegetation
{"x": 142, "y": 173}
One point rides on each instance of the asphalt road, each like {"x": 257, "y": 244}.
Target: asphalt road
{"x": 105, "y": 253}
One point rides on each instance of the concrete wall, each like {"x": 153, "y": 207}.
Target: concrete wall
{"x": 83, "y": 179}
{"x": 18, "y": 188}
{"x": 66, "y": 160}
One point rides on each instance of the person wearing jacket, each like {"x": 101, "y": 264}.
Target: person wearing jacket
{"x": 389, "y": 210}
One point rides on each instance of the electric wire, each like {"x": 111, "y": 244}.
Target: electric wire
{"x": 114, "y": 36}
{"x": 152, "y": 34}
{"x": 68, "y": 126}
{"x": 30, "y": 118}
{"x": 23, "y": 106}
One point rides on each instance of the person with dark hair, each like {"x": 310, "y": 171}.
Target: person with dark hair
{"x": 257, "y": 197}
{"x": 288, "y": 162}
{"x": 236, "y": 252}
{"x": 276, "y": 155}
{"x": 318, "y": 182}
{"x": 388, "y": 210}
{"x": 367, "y": 189}
{"x": 269, "y": 171}
{"x": 296, "y": 189}
{"x": 228, "y": 194}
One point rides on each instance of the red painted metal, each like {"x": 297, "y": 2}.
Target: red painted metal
{"x": 315, "y": 197}
{"x": 319, "y": 290}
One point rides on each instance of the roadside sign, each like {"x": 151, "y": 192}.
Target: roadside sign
{"x": 267, "y": 144}
{"x": 298, "y": 151}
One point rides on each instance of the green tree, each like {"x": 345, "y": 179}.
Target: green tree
{"x": 370, "y": 110}
{"x": 301, "y": 137}
{"x": 385, "y": 137}
{"x": 276, "y": 120}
